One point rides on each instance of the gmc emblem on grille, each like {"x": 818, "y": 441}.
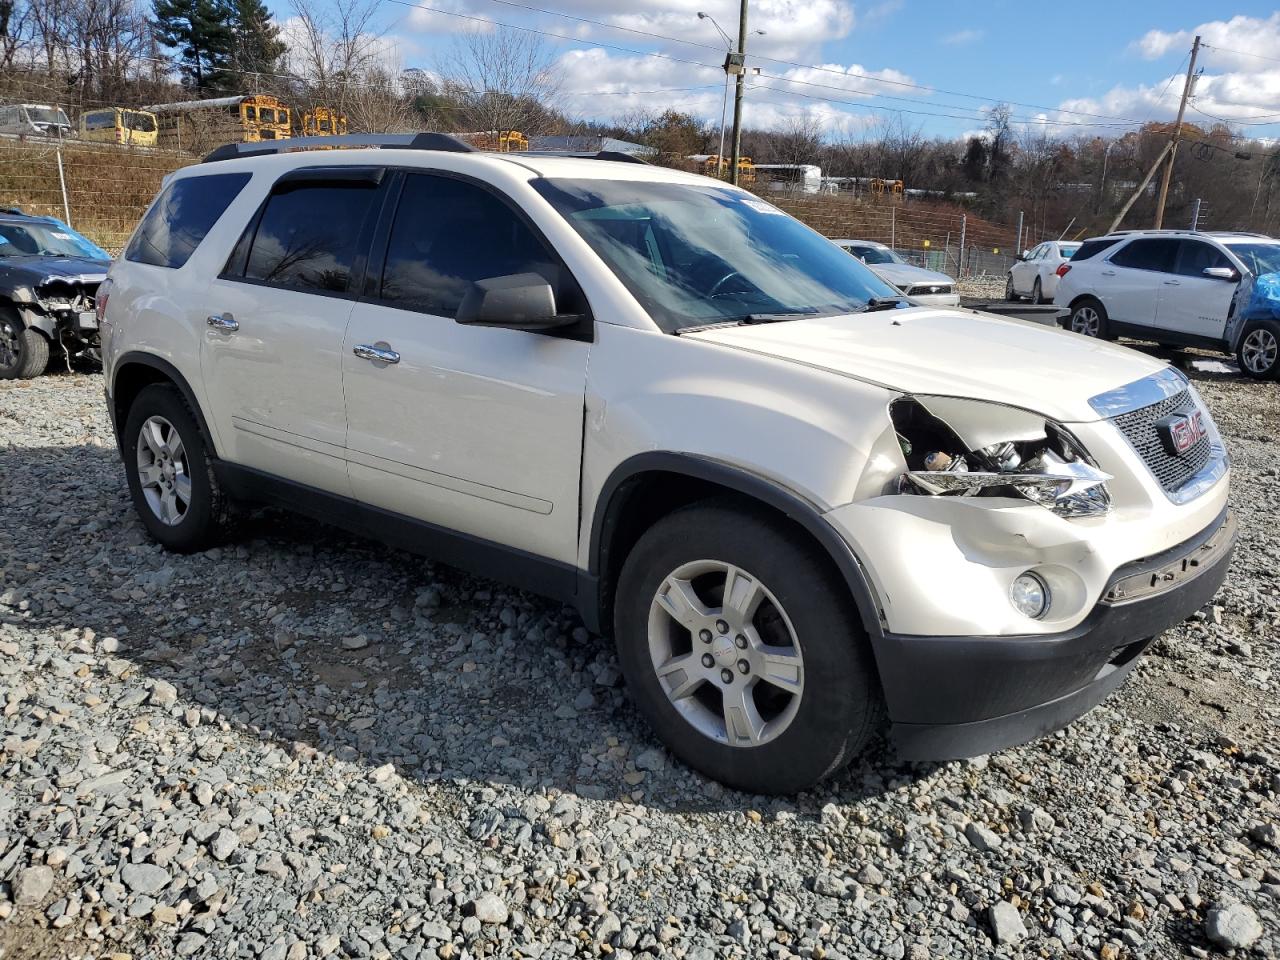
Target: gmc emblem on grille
{"x": 1180, "y": 432}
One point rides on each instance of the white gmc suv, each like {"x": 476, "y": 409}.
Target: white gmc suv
{"x": 798, "y": 503}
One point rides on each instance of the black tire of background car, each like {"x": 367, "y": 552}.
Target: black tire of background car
{"x": 30, "y": 353}
{"x": 841, "y": 707}
{"x": 1009, "y": 293}
{"x": 1272, "y": 372}
{"x": 1036, "y": 295}
{"x": 209, "y": 515}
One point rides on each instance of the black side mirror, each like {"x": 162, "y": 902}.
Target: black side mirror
{"x": 520, "y": 301}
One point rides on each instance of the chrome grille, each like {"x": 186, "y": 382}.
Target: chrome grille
{"x": 1139, "y": 428}
{"x": 923, "y": 289}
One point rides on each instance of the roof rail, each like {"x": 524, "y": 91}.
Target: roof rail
{"x": 401, "y": 141}
{"x": 615, "y": 155}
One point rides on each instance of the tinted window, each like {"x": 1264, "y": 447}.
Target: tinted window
{"x": 1091, "y": 248}
{"x": 448, "y": 234}
{"x": 1153, "y": 254}
{"x": 180, "y": 218}
{"x": 308, "y": 235}
{"x": 1195, "y": 256}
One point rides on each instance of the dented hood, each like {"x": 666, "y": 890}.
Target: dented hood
{"x": 32, "y": 271}
{"x": 956, "y": 353}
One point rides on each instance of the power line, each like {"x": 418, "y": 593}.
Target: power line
{"x": 1241, "y": 53}
{"x": 1257, "y": 121}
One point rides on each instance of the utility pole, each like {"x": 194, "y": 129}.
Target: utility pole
{"x": 1177, "y": 132}
{"x": 736, "y": 150}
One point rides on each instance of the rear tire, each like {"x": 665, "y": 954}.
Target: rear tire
{"x": 768, "y": 693}
{"x": 1259, "y": 350}
{"x": 170, "y": 474}
{"x": 24, "y": 352}
{"x": 1089, "y": 319}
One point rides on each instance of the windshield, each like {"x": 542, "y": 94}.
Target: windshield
{"x": 1068, "y": 249}
{"x": 693, "y": 254}
{"x": 874, "y": 254}
{"x": 136, "y": 120}
{"x": 45, "y": 240}
{"x": 47, "y": 115}
{"x": 1259, "y": 258}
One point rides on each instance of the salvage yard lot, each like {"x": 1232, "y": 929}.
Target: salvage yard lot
{"x": 306, "y": 745}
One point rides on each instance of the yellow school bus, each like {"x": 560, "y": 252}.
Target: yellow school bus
{"x": 718, "y": 167}
{"x": 502, "y": 141}
{"x": 198, "y": 125}
{"x": 323, "y": 122}
{"x": 119, "y": 125}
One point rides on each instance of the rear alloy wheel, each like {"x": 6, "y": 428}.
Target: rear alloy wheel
{"x": 1089, "y": 319}
{"x": 1259, "y": 351}
{"x": 743, "y": 648}
{"x": 24, "y": 353}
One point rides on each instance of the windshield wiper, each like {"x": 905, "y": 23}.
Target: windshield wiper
{"x": 881, "y": 303}
{"x": 749, "y": 320}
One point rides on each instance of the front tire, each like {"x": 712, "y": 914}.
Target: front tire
{"x": 743, "y": 649}
{"x": 1036, "y": 295}
{"x": 1259, "y": 351}
{"x": 1089, "y": 319}
{"x": 24, "y": 352}
{"x": 170, "y": 474}
{"x": 1010, "y": 293}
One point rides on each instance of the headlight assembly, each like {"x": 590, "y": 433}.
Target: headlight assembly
{"x": 957, "y": 447}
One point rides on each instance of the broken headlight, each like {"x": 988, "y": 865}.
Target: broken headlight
{"x": 967, "y": 448}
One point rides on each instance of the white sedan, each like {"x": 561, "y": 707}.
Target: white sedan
{"x": 1035, "y": 275}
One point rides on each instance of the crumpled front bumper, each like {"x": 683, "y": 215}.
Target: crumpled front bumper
{"x": 951, "y": 697}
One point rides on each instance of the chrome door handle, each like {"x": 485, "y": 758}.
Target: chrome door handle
{"x": 223, "y": 321}
{"x": 369, "y": 351}
{"x": 1108, "y": 273}
{"x": 1173, "y": 283}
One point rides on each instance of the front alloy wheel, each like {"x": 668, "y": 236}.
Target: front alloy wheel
{"x": 725, "y": 653}
{"x": 1260, "y": 353}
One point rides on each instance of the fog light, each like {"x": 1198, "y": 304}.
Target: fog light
{"x": 1029, "y": 595}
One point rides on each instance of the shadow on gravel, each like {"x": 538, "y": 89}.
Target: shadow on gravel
{"x": 316, "y": 640}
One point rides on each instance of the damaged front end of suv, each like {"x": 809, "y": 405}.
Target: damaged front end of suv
{"x": 49, "y": 280}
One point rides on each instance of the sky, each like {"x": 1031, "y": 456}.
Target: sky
{"x": 1078, "y": 67}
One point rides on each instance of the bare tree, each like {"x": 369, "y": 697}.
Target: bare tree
{"x": 503, "y": 80}
{"x": 336, "y": 47}
{"x": 377, "y": 105}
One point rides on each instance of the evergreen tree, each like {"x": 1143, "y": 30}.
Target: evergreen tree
{"x": 258, "y": 49}
{"x": 202, "y": 33}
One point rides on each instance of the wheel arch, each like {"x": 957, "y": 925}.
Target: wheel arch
{"x": 135, "y": 370}
{"x": 650, "y": 485}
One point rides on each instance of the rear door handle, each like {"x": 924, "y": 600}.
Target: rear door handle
{"x": 1173, "y": 283}
{"x": 223, "y": 321}
{"x": 379, "y": 352}
{"x": 1108, "y": 273}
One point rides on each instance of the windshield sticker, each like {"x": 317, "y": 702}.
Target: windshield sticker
{"x": 759, "y": 206}
{"x": 62, "y": 236}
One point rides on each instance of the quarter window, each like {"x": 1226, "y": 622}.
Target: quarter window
{"x": 308, "y": 236}
{"x": 448, "y": 234}
{"x": 180, "y": 218}
{"x": 1148, "y": 254}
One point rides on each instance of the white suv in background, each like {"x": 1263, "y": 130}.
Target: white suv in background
{"x": 1178, "y": 288}
{"x": 797, "y": 502}
{"x": 1035, "y": 275}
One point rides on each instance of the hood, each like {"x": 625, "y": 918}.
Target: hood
{"x": 957, "y": 353}
{"x": 34, "y": 271}
{"x": 904, "y": 274}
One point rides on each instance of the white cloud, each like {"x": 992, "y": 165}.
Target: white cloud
{"x": 962, "y": 37}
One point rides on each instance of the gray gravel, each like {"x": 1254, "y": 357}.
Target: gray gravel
{"x": 305, "y": 745}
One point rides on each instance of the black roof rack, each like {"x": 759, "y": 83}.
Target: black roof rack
{"x": 615, "y": 155}
{"x": 402, "y": 141}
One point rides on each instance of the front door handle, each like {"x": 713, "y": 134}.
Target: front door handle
{"x": 1108, "y": 273}
{"x": 223, "y": 321}
{"x": 376, "y": 351}
{"x": 1173, "y": 283}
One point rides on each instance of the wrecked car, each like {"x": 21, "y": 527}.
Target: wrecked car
{"x": 49, "y": 278}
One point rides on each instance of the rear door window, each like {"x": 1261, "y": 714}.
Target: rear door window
{"x": 1155, "y": 253}
{"x": 309, "y": 235}
{"x": 181, "y": 217}
{"x": 1091, "y": 248}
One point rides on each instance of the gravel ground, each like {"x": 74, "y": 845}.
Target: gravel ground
{"x": 305, "y": 745}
